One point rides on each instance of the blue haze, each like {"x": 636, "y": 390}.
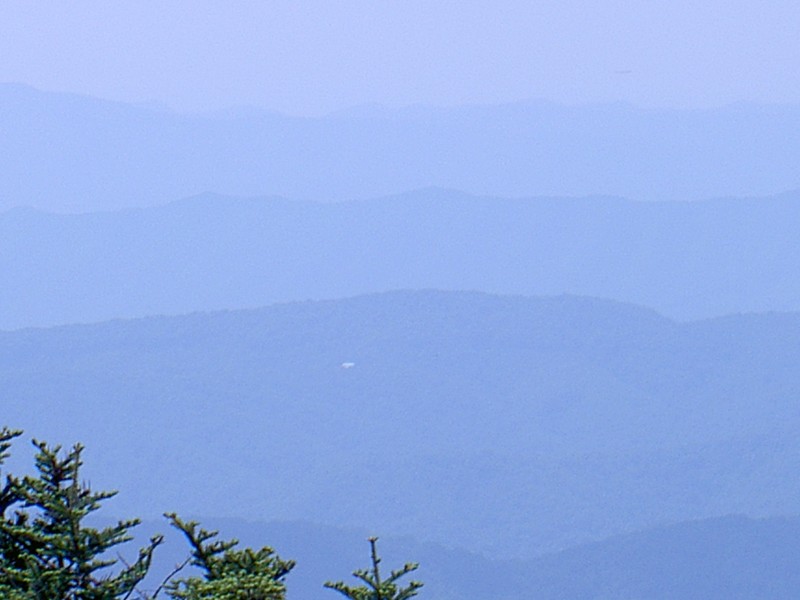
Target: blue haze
{"x": 71, "y": 153}
{"x": 535, "y": 267}
{"x": 687, "y": 260}
{"x": 714, "y": 559}
{"x": 311, "y": 57}
{"x": 506, "y": 425}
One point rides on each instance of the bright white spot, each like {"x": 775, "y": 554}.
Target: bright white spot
{"x": 348, "y": 365}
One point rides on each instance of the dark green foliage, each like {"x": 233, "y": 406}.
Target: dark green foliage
{"x": 46, "y": 551}
{"x": 228, "y": 574}
{"x": 377, "y": 588}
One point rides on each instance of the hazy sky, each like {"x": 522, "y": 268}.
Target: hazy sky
{"x": 314, "y": 56}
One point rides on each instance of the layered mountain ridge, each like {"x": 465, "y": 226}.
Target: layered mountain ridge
{"x": 686, "y": 260}
{"x": 70, "y": 153}
{"x": 492, "y": 422}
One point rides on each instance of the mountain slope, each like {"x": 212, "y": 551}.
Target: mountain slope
{"x": 65, "y": 153}
{"x": 686, "y": 260}
{"x": 592, "y": 417}
{"x": 725, "y": 558}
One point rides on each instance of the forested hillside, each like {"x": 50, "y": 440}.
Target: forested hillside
{"x": 686, "y": 260}
{"x": 592, "y": 417}
{"x": 730, "y": 558}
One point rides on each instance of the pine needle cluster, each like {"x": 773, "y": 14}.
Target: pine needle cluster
{"x": 228, "y": 573}
{"x": 376, "y": 588}
{"x": 48, "y": 552}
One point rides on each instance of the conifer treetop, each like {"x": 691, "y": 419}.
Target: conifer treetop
{"x": 374, "y": 587}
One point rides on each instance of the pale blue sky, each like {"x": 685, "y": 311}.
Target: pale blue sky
{"x": 314, "y": 56}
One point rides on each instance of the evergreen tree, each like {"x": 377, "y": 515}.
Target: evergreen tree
{"x": 46, "y": 550}
{"x": 377, "y": 588}
{"x": 227, "y": 573}
{"x": 48, "y": 553}
{"x": 9, "y": 560}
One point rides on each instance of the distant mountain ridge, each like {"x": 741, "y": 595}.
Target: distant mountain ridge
{"x": 686, "y": 260}
{"x": 728, "y": 558}
{"x": 70, "y": 153}
{"x": 592, "y": 417}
